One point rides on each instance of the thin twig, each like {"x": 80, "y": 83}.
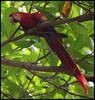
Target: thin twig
{"x": 46, "y": 3}
{"x": 84, "y": 4}
{"x": 14, "y": 33}
{"x": 46, "y": 93}
{"x": 85, "y": 57}
{"x": 82, "y": 7}
{"x": 64, "y": 89}
{"x": 44, "y": 56}
{"x": 31, "y": 6}
{"x": 51, "y": 77}
{"x": 29, "y": 83}
{"x": 7, "y": 95}
{"x": 13, "y": 39}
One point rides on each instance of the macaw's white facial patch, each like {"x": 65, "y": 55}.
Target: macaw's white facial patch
{"x": 16, "y": 17}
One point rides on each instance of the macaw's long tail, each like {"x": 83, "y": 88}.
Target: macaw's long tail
{"x": 54, "y": 41}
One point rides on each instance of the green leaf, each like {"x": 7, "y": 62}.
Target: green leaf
{"x": 89, "y": 25}
{"x": 6, "y": 22}
{"x": 37, "y": 81}
{"x": 24, "y": 43}
{"x": 7, "y": 50}
{"x": 81, "y": 39}
{"x": 53, "y": 59}
{"x": 78, "y": 28}
{"x": 14, "y": 89}
{"x": 88, "y": 65}
{"x": 58, "y": 96}
{"x": 42, "y": 44}
{"x": 75, "y": 11}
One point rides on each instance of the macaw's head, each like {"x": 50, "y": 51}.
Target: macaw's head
{"x": 27, "y": 20}
{"x": 15, "y": 17}
{"x": 19, "y": 16}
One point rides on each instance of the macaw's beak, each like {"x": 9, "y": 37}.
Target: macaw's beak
{"x": 11, "y": 19}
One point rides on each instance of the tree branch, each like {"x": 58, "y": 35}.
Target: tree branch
{"x": 13, "y": 39}
{"x": 85, "y": 17}
{"x": 82, "y": 18}
{"x": 35, "y": 67}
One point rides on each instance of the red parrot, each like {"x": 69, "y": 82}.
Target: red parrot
{"x": 30, "y": 20}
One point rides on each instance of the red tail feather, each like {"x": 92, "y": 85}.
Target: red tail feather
{"x": 54, "y": 42}
{"x": 83, "y": 82}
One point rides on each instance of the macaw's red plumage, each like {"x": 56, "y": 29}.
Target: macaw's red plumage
{"x": 27, "y": 20}
{"x": 53, "y": 38}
